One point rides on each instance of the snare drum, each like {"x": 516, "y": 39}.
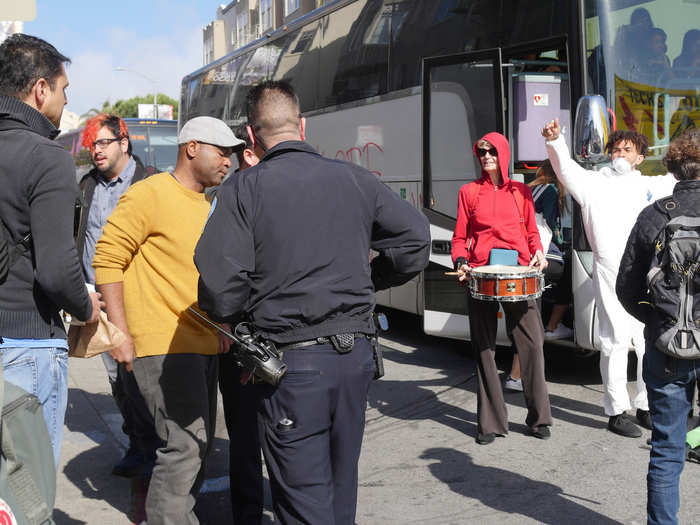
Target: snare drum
{"x": 497, "y": 282}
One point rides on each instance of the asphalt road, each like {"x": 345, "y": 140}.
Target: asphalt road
{"x": 419, "y": 463}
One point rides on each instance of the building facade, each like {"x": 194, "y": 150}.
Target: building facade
{"x": 242, "y": 21}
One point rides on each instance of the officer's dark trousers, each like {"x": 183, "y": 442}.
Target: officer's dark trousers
{"x": 524, "y": 326}
{"x": 245, "y": 461}
{"x": 312, "y": 433}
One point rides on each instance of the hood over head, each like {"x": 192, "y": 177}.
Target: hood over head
{"x": 499, "y": 142}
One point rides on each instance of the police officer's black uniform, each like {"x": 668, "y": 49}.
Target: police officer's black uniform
{"x": 288, "y": 242}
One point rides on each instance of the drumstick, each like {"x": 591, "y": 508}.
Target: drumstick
{"x": 451, "y": 273}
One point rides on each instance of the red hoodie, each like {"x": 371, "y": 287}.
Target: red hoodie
{"x": 495, "y": 221}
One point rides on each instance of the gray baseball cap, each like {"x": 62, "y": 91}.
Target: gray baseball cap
{"x": 209, "y": 130}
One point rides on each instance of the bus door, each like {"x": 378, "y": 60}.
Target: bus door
{"x": 462, "y": 101}
{"x": 538, "y": 88}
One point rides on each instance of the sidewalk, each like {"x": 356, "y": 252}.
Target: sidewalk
{"x": 419, "y": 461}
{"x": 87, "y": 492}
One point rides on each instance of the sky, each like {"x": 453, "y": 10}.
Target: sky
{"x": 159, "y": 39}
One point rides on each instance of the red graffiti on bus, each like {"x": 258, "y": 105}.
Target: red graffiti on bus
{"x": 361, "y": 156}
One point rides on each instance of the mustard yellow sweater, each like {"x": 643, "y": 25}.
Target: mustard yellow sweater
{"x": 148, "y": 243}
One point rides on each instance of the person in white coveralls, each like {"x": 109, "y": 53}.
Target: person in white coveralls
{"x": 610, "y": 200}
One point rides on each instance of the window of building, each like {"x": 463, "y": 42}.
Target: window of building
{"x": 242, "y": 33}
{"x": 265, "y": 15}
{"x": 208, "y": 50}
{"x": 290, "y": 6}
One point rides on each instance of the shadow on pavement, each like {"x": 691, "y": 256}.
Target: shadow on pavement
{"x": 418, "y": 399}
{"x": 509, "y": 492}
{"x": 61, "y": 518}
{"x": 90, "y": 470}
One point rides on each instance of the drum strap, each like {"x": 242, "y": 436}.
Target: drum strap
{"x": 520, "y": 204}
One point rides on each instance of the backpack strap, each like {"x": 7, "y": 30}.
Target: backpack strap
{"x": 520, "y": 204}
{"x": 669, "y": 206}
{"x": 15, "y": 251}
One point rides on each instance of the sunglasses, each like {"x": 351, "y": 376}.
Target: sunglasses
{"x": 483, "y": 151}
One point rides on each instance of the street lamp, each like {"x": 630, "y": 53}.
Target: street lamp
{"x": 155, "y": 84}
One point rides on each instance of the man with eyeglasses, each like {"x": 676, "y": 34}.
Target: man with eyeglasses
{"x": 107, "y": 138}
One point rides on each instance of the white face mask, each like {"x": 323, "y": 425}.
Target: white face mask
{"x": 621, "y": 165}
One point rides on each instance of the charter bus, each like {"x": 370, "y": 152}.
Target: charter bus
{"x": 154, "y": 142}
{"x": 404, "y": 87}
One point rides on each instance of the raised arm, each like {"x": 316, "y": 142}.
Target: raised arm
{"x": 575, "y": 179}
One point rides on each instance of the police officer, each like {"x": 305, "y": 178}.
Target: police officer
{"x": 288, "y": 242}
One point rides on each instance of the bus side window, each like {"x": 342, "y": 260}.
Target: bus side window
{"x": 354, "y": 64}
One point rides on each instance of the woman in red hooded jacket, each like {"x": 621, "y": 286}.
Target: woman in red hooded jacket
{"x": 489, "y": 217}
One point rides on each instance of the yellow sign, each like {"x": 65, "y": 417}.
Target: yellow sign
{"x": 658, "y": 113}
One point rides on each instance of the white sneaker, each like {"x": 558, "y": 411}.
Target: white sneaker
{"x": 560, "y": 332}
{"x": 513, "y": 385}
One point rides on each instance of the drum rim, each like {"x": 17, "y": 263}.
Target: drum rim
{"x": 506, "y": 298}
{"x": 532, "y": 272}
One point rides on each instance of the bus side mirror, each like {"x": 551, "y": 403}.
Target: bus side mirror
{"x": 591, "y": 130}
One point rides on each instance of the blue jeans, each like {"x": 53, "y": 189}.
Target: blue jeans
{"x": 670, "y": 385}
{"x": 44, "y": 373}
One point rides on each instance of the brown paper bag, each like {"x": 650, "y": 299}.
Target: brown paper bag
{"x": 94, "y": 338}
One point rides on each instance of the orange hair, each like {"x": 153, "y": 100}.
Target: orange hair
{"x": 93, "y": 126}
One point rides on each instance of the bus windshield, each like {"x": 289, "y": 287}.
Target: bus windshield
{"x": 644, "y": 58}
{"x": 156, "y": 146}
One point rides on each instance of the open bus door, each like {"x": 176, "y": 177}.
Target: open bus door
{"x": 462, "y": 101}
{"x": 463, "y": 98}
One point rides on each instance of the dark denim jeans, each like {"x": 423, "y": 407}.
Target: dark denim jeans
{"x": 670, "y": 385}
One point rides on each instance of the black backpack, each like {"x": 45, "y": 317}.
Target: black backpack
{"x": 674, "y": 282}
{"x": 10, "y": 252}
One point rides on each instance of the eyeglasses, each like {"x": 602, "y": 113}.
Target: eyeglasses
{"x": 103, "y": 143}
{"x": 483, "y": 151}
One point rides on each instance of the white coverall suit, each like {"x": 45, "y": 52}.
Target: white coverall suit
{"x": 610, "y": 203}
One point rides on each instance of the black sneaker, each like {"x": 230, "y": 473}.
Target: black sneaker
{"x": 623, "y": 426}
{"x": 541, "y": 432}
{"x": 485, "y": 439}
{"x": 644, "y": 418}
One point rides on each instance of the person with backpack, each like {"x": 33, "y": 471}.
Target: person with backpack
{"x": 37, "y": 204}
{"x": 659, "y": 284}
{"x": 497, "y": 212}
{"x": 611, "y": 199}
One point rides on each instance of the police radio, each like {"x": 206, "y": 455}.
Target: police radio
{"x": 251, "y": 351}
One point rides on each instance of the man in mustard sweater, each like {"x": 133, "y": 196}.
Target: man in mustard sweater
{"x": 144, "y": 268}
